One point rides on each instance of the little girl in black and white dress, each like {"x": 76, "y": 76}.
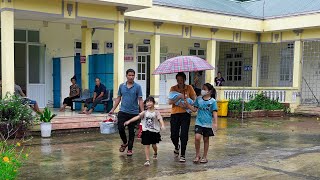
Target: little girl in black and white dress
{"x": 152, "y": 123}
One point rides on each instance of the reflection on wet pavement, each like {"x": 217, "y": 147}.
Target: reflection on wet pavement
{"x": 283, "y": 148}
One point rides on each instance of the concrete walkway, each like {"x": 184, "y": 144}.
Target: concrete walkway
{"x": 308, "y": 111}
{"x": 70, "y": 120}
{"x": 277, "y": 148}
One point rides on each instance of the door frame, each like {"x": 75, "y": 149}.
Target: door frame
{"x": 26, "y": 61}
{"x": 45, "y": 69}
{"x": 163, "y": 79}
{"x": 287, "y": 62}
{"x": 147, "y": 78}
{"x": 191, "y": 74}
{"x": 226, "y": 70}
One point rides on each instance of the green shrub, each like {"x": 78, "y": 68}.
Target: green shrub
{"x": 14, "y": 115}
{"x": 235, "y": 105}
{"x": 259, "y": 102}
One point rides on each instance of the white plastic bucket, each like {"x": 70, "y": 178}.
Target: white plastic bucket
{"x": 45, "y": 129}
{"x": 108, "y": 127}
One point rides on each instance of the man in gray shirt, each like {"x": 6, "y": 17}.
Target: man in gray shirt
{"x": 18, "y": 92}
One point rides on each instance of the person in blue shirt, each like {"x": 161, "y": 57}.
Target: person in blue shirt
{"x": 130, "y": 96}
{"x": 206, "y": 120}
{"x": 100, "y": 93}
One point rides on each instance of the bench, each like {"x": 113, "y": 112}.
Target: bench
{"x": 86, "y": 95}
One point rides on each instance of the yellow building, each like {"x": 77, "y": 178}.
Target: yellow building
{"x": 258, "y": 46}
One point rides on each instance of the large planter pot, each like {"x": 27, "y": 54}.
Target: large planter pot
{"x": 276, "y": 113}
{"x": 248, "y": 114}
{"x": 45, "y": 129}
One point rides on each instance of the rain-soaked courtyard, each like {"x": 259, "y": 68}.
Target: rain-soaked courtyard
{"x": 270, "y": 148}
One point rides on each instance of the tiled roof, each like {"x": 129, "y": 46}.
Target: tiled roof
{"x": 261, "y": 9}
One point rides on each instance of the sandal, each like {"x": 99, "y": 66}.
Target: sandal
{"x": 147, "y": 163}
{"x": 196, "y": 160}
{"x": 123, "y": 147}
{"x": 129, "y": 153}
{"x": 204, "y": 160}
{"x": 155, "y": 156}
{"x": 182, "y": 159}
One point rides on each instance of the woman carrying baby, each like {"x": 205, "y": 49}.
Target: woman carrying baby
{"x": 180, "y": 118}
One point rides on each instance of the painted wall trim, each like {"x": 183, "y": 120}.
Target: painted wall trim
{"x": 38, "y": 13}
{"x": 200, "y": 38}
{"x": 311, "y": 39}
{"x": 248, "y": 42}
{"x": 140, "y": 32}
{"x": 169, "y": 35}
{"x": 222, "y": 40}
{"x": 6, "y": 9}
{"x": 98, "y": 20}
{"x": 102, "y": 28}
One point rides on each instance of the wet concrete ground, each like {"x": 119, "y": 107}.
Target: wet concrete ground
{"x": 274, "y": 148}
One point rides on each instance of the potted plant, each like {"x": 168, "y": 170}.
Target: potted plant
{"x": 45, "y": 118}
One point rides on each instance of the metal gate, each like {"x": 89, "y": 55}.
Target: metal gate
{"x": 310, "y": 92}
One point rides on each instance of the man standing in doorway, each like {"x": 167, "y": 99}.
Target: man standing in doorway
{"x": 130, "y": 96}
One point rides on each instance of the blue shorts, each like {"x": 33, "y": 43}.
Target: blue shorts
{"x": 29, "y": 101}
{"x": 32, "y": 102}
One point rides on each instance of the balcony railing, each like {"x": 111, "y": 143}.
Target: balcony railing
{"x": 282, "y": 94}
{"x": 249, "y": 94}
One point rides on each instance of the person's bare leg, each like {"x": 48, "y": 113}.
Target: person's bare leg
{"x": 36, "y": 108}
{"x": 84, "y": 110}
{"x": 147, "y": 152}
{"x": 89, "y": 112}
{"x": 197, "y": 144}
{"x": 63, "y": 108}
{"x": 206, "y": 147}
{"x": 155, "y": 150}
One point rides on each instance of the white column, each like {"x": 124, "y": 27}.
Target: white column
{"x": 211, "y": 58}
{"x": 7, "y": 48}
{"x": 297, "y": 64}
{"x": 118, "y": 64}
{"x": 255, "y": 66}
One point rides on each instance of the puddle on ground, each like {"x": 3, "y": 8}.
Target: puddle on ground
{"x": 255, "y": 144}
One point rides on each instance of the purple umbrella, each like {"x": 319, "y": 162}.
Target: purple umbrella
{"x": 182, "y": 64}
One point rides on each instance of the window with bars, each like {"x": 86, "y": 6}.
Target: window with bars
{"x": 142, "y": 67}
{"x": 197, "y": 52}
{"x": 234, "y": 70}
{"x": 264, "y": 67}
{"x": 78, "y": 46}
{"x": 276, "y": 65}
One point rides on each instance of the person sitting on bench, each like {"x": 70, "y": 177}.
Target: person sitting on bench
{"x": 73, "y": 94}
{"x": 100, "y": 91}
{"x": 18, "y": 92}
